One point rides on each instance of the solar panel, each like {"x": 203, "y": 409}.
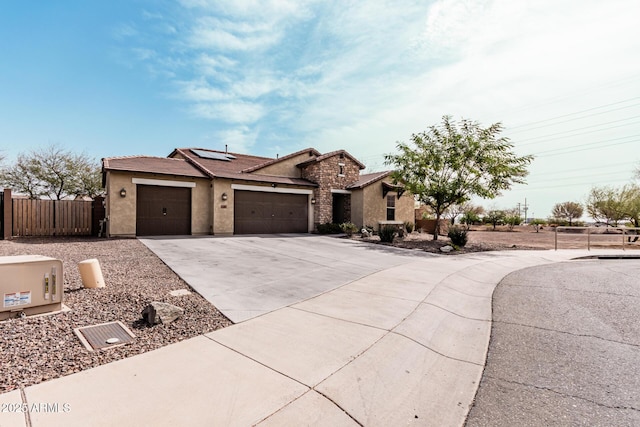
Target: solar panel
{"x": 229, "y": 156}
{"x": 211, "y": 155}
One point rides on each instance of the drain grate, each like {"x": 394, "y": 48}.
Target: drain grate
{"x": 104, "y": 335}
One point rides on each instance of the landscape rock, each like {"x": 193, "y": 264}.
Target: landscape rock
{"x": 161, "y": 312}
{"x": 446, "y": 249}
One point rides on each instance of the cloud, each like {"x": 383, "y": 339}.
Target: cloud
{"x": 216, "y": 34}
{"x": 124, "y": 31}
{"x": 238, "y": 139}
{"x": 200, "y": 91}
{"x": 235, "y": 112}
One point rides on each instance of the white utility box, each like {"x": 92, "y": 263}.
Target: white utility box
{"x": 30, "y": 284}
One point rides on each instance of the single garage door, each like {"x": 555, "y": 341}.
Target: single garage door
{"x": 256, "y": 212}
{"x": 163, "y": 210}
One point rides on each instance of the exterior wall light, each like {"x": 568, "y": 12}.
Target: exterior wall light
{"x": 313, "y": 200}
{"x": 224, "y": 196}
{"x": 123, "y": 193}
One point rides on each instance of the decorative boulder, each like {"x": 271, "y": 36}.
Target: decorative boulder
{"x": 446, "y": 249}
{"x": 161, "y": 312}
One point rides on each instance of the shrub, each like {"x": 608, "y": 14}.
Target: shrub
{"x": 387, "y": 233}
{"x": 349, "y": 228}
{"x": 408, "y": 225}
{"x": 512, "y": 221}
{"x": 329, "y": 228}
{"x": 458, "y": 236}
{"x": 538, "y": 223}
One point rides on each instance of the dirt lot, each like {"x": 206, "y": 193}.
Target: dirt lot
{"x": 35, "y": 349}
{"x": 521, "y": 238}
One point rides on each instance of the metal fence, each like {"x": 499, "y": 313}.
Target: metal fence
{"x": 627, "y": 235}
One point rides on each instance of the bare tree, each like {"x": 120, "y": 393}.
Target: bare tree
{"x": 54, "y": 173}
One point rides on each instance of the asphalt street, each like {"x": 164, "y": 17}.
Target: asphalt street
{"x": 564, "y": 348}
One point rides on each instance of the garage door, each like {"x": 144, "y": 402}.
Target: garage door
{"x": 163, "y": 210}
{"x": 256, "y": 212}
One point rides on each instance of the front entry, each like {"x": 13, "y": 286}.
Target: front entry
{"x": 341, "y": 208}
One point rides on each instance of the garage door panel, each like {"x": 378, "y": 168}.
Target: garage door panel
{"x": 163, "y": 210}
{"x": 265, "y": 213}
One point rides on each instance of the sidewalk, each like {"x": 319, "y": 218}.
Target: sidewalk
{"x": 406, "y": 345}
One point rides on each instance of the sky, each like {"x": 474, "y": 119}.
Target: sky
{"x": 132, "y": 77}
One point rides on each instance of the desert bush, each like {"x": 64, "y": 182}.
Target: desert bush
{"x": 512, "y": 221}
{"x": 408, "y": 225}
{"x": 329, "y": 228}
{"x": 458, "y": 236}
{"x": 348, "y": 228}
{"x": 387, "y": 233}
{"x": 537, "y": 223}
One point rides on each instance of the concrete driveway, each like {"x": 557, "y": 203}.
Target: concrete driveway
{"x": 246, "y": 276}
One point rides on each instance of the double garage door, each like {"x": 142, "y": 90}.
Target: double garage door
{"x": 256, "y": 212}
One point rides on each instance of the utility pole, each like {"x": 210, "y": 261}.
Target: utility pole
{"x": 526, "y": 208}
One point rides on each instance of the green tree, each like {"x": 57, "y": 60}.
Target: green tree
{"x": 471, "y": 214}
{"x": 567, "y": 211}
{"x": 512, "y": 218}
{"x": 630, "y": 195}
{"x": 450, "y": 163}
{"x": 53, "y": 172}
{"x": 605, "y": 205}
{"x": 495, "y": 217}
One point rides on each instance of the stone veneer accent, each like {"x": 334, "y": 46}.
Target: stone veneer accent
{"x": 325, "y": 173}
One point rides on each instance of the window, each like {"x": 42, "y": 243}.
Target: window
{"x": 391, "y": 208}
{"x": 341, "y": 170}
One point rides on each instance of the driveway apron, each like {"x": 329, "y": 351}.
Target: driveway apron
{"x": 247, "y": 276}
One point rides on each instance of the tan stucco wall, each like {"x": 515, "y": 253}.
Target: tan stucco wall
{"x": 121, "y": 212}
{"x": 222, "y": 209}
{"x": 375, "y": 206}
{"x": 357, "y": 208}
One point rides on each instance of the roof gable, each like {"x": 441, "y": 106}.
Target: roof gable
{"x": 343, "y": 153}
{"x": 368, "y": 179}
{"x": 311, "y": 151}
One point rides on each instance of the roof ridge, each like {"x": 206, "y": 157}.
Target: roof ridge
{"x": 273, "y": 161}
{"x": 133, "y": 156}
{"x": 224, "y": 152}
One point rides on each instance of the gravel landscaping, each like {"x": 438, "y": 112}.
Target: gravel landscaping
{"x": 520, "y": 238}
{"x": 36, "y": 349}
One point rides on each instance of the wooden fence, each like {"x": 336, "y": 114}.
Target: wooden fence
{"x": 51, "y": 217}
{"x": 27, "y": 217}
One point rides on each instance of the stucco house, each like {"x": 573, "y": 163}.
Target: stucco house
{"x": 200, "y": 191}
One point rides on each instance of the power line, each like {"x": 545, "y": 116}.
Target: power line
{"x": 612, "y": 83}
{"x": 586, "y": 144}
{"x": 579, "y": 133}
{"x": 547, "y": 187}
{"x": 587, "y": 168}
{"x": 578, "y": 112}
{"x": 583, "y": 176}
{"x": 587, "y": 149}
